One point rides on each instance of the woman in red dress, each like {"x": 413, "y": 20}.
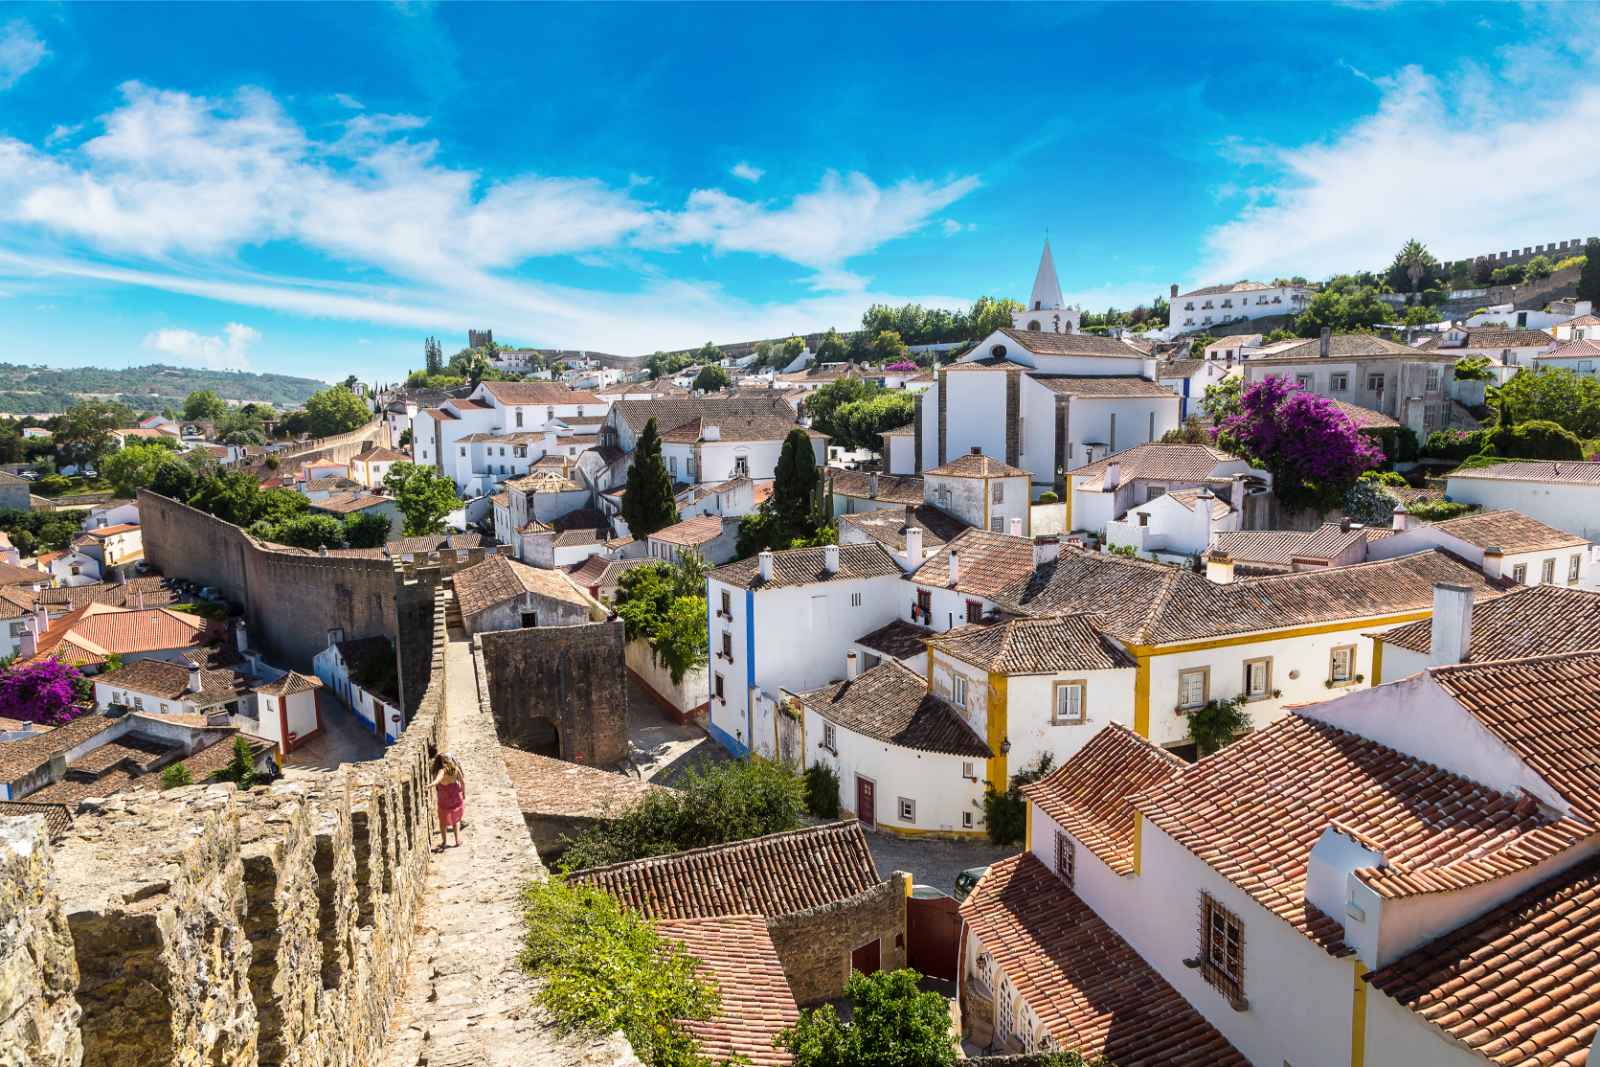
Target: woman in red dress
{"x": 451, "y": 792}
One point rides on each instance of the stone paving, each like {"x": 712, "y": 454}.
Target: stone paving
{"x": 466, "y": 1001}
{"x": 661, "y": 749}
{"x": 345, "y": 738}
{"x": 932, "y": 861}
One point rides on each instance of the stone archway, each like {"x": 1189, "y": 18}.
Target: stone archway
{"x": 541, "y": 736}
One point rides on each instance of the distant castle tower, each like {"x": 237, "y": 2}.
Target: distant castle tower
{"x": 1046, "y": 310}
{"x": 480, "y": 338}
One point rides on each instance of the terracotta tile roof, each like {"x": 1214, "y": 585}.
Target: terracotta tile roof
{"x": 291, "y": 683}
{"x": 341, "y": 503}
{"x": 1514, "y": 985}
{"x": 1173, "y": 463}
{"x": 774, "y": 875}
{"x": 1190, "y": 498}
{"x": 57, "y": 817}
{"x": 1180, "y": 368}
{"x": 976, "y": 466}
{"x": 547, "y": 786}
{"x": 212, "y": 760}
{"x": 1345, "y": 346}
{"x": 773, "y": 427}
{"x": 1281, "y": 548}
{"x": 1525, "y": 470}
{"x": 1151, "y": 604}
{"x": 1090, "y": 990}
{"x": 1236, "y": 287}
{"x": 674, "y": 411}
{"x": 1253, "y": 811}
{"x": 432, "y": 543}
{"x": 1043, "y": 644}
{"x": 1581, "y": 348}
{"x": 887, "y": 525}
{"x": 803, "y": 566}
{"x": 100, "y": 533}
{"x": 755, "y": 1003}
{"x": 1090, "y": 795}
{"x": 14, "y": 575}
{"x": 1103, "y": 387}
{"x": 892, "y": 704}
{"x": 91, "y": 633}
{"x": 1509, "y": 531}
{"x": 987, "y": 563}
{"x": 899, "y": 639}
{"x": 908, "y": 430}
{"x": 542, "y": 480}
{"x": 1528, "y": 621}
{"x": 19, "y": 759}
{"x": 1490, "y": 337}
{"x": 1045, "y": 343}
{"x": 695, "y": 531}
{"x": 1366, "y": 418}
{"x": 380, "y": 455}
{"x": 163, "y": 680}
{"x": 602, "y": 573}
{"x": 498, "y": 579}
{"x": 1581, "y": 320}
{"x": 538, "y": 393}
{"x": 150, "y": 588}
{"x": 892, "y": 488}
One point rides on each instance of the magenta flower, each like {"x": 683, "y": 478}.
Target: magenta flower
{"x": 41, "y": 692}
{"x": 1311, "y": 447}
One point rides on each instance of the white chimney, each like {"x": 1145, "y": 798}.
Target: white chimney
{"x": 955, "y": 568}
{"x": 913, "y": 545}
{"x": 830, "y": 558}
{"x": 1046, "y": 549}
{"x": 1219, "y": 567}
{"x": 195, "y": 682}
{"x": 1113, "y": 477}
{"x": 1016, "y": 526}
{"x": 852, "y": 667}
{"x": 241, "y": 638}
{"x": 1324, "y": 341}
{"x": 1452, "y": 625}
{"x": 1494, "y": 562}
{"x": 872, "y": 485}
{"x": 1402, "y": 518}
{"x": 711, "y": 433}
{"x": 764, "y": 562}
{"x": 1206, "y": 501}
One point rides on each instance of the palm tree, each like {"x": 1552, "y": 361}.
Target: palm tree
{"x": 1415, "y": 260}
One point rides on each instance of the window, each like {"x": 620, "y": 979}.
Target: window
{"x": 672, "y": 466}
{"x": 1434, "y": 374}
{"x": 727, "y": 646}
{"x": 1221, "y": 948}
{"x": 1574, "y": 564}
{"x": 997, "y": 524}
{"x": 1547, "y": 573}
{"x": 1067, "y": 707}
{"x": 966, "y": 820}
{"x": 741, "y": 466}
{"x": 727, "y": 605}
{"x": 974, "y": 611}
{"x": 716, "y": 689}
{"x": 1338, "y": 383}
{"x": 1303, "y": 380}
{"x": 1342, "y": 664}
{"x": 1194, "y": 687}
{"x": 855, "y": 600}
{"x": 908, "y": 810}
{"x": 138, "y": 702}
{"x": 830, "y": 737}
{"x": 968, "y": 771}
{"x": 958, "y": 691}
{"x": 1066, "y": 858}
{"x": 1374, "y": 383}
{"x": 1258, "y": 678}
{"x": 1519, "y": 574}
{"x": 463, "y": 450}
{"x": 1155, "y": 491}
{"x": 999, "y": 492}
{"x": 924, "y": 606}
{"x": 519, "y": 418}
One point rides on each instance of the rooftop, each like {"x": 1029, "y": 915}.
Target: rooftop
{"x": 1044, "y": 644}
{"x": 1236, "y": 287}
{"x": 887, "y": 525}
{"x": 163, "y": 680}
{"x": 1090, "y": 989}
{"x": 804, "y": 566}
{"x": 1070, "y": 385}
{"x": 1528, "y": 621}
{"x": 898, "y": 640}
{"x": 1568, "y": 472}
{"x": 90, "y": 634}
{"x": 893, "y": 704}
{"x": 1280, "y": 548}
{"x": 987, "y": 563}
{"x": 696, "y": 531}
{"x": 1366, "y": 418}
{"x": 775, "y": 875}
{"x": 755, "y": 1003}
{"x": 1509, "y": 531}
{"x": 21, "y": 758}
{"x": 892, "y": 488}
{"x": 674, "y": 411}
{"x": 547, "y": 786}
{"x": 498, "y": 579}
{"x": 1175, "y": 463}
{"x": 974, "y": 465}
{"x": 1047, "y": 343}
{"x": 1344, "y": 346}
{"x": 516, "y": 393}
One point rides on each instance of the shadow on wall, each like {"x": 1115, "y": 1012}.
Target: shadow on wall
{"x": 560, "y": 687}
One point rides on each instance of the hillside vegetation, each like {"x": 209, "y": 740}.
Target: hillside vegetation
{"x": 46, "y": 390}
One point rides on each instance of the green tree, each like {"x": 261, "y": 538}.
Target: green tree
{"x": 893, "y": 1023}
{"x": 862, "y": 423}
{"x": 423, "y": 495}
{"x": 335, "y": 410}
{"x": 823, "y": 404}
{"x": 648, "y": 503}
{"x": 232, "y": 496}
{"x": 1589, "y": 276}
{"x": 471, "y": 364}
{"x": 1413, "y": 265}
{"x": 1538, "y": 268}
{"x": 1482, "y": 270}
{"x": 204, "y": 405}
{"x": 1510, "y": 274}
{"x": 302, "y": 531}
{"x": 665, "y": 606}
{"x": 241, "y": 768}
{"x": 1563, "y": 397}
{"x": 795, "y": 482}
{"x": 1536, "y": 439}
{"x": 831, "y": 349}
{"x": 1223, "y": 399}
{"x": 82, "y": 433}
{"x": 795, "y": 347}
{"x": 432, "y": 356}
{"x": 366, "y": 530}
{"x": 989, "y": 314}
{"x": 711, "y": 379}
{"x": 888, "y": 346}
{"x": 709, "y": 353}
{"x": 1419, "y": 315}
{"x": 1217, "y": 724}
{"x": 134, "y": 467}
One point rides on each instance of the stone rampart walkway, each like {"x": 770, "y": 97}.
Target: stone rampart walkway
{"x": 466, "y": 1002}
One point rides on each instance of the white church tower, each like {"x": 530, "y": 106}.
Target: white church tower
{"x": 1046, "y": 310}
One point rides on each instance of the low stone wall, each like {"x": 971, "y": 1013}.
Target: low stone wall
{"x": 685, "y": 700}
{"x": 38, "y": 972}
{"x": 567, "y": 678}
{"x": 815, "y": 945}
{"x": 340, "y": 448}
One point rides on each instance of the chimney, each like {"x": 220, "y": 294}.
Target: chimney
{"x": 913, "y": 545}
{"x": 955, "y": 568}
{"x": 195, "y": 682}
{"x": 322, "y": 550}
{"x": 1402, "y": 518}
{"x": 1452, "y": 625}
{"x": 1344, "y": 524}
{"x": 1113, "y": 478}
{"x": 977, "y": 450}
{"x": 852, "y": 666}
{"x": 1174, "y": 295}
{"x": 872, "y": 485}
{"x": 830, "y": 558}
{"x": 1046, "y": 549}
{"x": 764, "y": 563}
{"x": 138, "y": 599}
{"x": 241, "y": 638}
{"x": 1205, "y": 500}
{"x": 1219, "y": 567}
{"x": 1016, "y": 526}
{"x": 1494, "y": 562}
{"x": 1322, "y": 344}
{"x": 711, "y": 433}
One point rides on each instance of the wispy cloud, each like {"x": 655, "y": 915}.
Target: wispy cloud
{"x": 746, "y": 172}
{"x": 228, "y": 351}
{"x": 348, "y": 101}
{"x": 21, "y": 49}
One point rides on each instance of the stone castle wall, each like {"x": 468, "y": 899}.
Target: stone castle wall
{"x": 572, "y": 677}
{"x": 340, "y": 448}
{"x": 205, "y": 926}
{"x": 1555, "y": 250}
{"x": 815, "y": 945}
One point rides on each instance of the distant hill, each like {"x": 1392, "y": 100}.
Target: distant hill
{"x": 44, "y": 390}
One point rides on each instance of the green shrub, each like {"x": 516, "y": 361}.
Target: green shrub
{"x": 1438, "y": 510}
{"x": 1450, "y": 444}
{"x": 241, "y": 769}
{"x": 892, "y": 1023}
{"x": 603, "y": 967}
{"x": 176, "y": 775}
{"x": 1368, "y": 502}
{"x": 1537, "y": 439}
{"x": 1049, "y": 497}
{"x": 1006, "y": 814}
{"x": 1386, "y": 478}
{"x": 822, "y": 791}
{"x": 1217, "y": 724}
{"x": 728, "y": 802}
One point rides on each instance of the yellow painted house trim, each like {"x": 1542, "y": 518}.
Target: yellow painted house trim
{"x": 1027, "y": 833}
{"x": 1141, "y": 696}
{"x": 999, "y": 780}
{"x": 1358, "y": 1017}
{"x": 1377, "y": 661}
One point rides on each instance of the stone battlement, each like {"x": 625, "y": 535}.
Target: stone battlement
{"x": 1555, "y": 250}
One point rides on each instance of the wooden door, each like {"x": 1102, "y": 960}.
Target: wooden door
{"x": 866, "y": 801}
{"x": 933, "y": 936}
{"x": 865, "y": 958}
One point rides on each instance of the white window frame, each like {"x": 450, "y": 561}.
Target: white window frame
{"x": 1184, "y": 676}
{"x": 1059, "y": 715}
{"x": 830, "y": 738}
{"x": 1265, "y": 664}
{"x": 1348, "y": 654}
{"x": 1547, "y": 572}
{"x": 906, "y": 809}
{"x": 958, "y": 690}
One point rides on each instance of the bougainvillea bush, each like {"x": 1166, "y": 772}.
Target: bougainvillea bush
{"x": 42, "y": 692}
{"x": 1313, "y": 450}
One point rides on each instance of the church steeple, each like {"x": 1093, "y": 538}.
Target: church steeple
{"x": 1046, "y": 288}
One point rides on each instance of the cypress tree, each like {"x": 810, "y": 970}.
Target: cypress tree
{"x": 794, "y": 484}
{"x": 648, "y": 504}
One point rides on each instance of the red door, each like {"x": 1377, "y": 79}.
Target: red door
{"x": 865, "y": 958}
{"x": 866, "y": 801}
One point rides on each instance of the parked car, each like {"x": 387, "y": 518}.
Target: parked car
{"x": 967, "y": 879}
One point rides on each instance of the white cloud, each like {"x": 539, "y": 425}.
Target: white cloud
{"x": 61, "y": 133}
{"x": 21, "y": 49}
{"x": 746, "y": 172}
{"x": 348, "y": 101}
{"x": 1433, "y": 162}
{"x": 229, "y": 351}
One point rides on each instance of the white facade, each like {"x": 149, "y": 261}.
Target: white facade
{"x": 998, "y": 504}
{"x": 900, "y": 456}
{"x": 500, "y": 418}
{"x": 1194, "y": 311}
{"x": 1045, "y": 311}
{"x": 1568, "y": 565}
{"x": 1171, "y": 527}
{"x": 380, "y": 716}
{"x": 1566, "y": 504}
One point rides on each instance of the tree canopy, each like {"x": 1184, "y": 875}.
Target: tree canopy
{"x": 335, "y": 410}
{"x": 711, "y": 379}
{"x": 1569, "y": 400}
{"x": 893, "y": 1023}
{"x": 134, "y": 466}
{"x": 1312, "y": 449}
{"x": 423, "y": 495}
{"x": 1413, "y": 269}
{"x": 665, "y": 606}
{"x": 795, "y": 514}
{"x": 648, "y": 503}
{"x": 204, "y": 405}
{"x": 83, "y": 432}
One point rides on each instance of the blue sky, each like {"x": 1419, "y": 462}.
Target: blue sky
{"x": 313, "y": 189}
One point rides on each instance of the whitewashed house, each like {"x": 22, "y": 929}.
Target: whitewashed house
{"x": 1581, "y": 355}
{"x": 475, "y": 440}
{"x": 1583, "y": 324}
{"x": 755, "y": 427}
{"x": 371, "y": 465}
{"x": 1174, "y": 527}
{"x": 982, "y": 492}
{"x": 1104, "y": 491}
{"x": 502, "y": 594}
{"x": 1503, "y": 543}
{"x": 1545, "y": 619}
{"x": 900, "y": 447}
{"x": 710, "y": 537}
{"x": 1562, "y": 494}
{"x": 1216, "y": 305}
{"x": 364, "y": 673}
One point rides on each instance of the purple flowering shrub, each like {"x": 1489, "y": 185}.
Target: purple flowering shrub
{"x": 903, "y": 364}
{"x": 42, "y": 692}
{"x": 1314, "y": 451}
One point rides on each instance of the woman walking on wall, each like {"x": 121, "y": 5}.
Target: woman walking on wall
{"x": 450, "y": 789}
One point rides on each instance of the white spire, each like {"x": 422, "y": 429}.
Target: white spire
{"x": 1046, "y": 289}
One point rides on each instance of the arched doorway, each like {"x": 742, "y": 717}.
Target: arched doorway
{"x": 542, "y": 738}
